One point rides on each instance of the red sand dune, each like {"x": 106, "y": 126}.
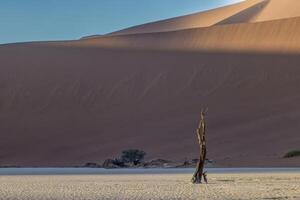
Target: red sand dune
{"x": 270, "y": 36}
{"x": 278, "y": 9}
{"x": 244, "y": 12}
{"x": 67, "y": 103}
{"x": 202, "y": 19}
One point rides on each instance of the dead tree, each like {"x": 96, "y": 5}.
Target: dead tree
{"x": 197, "y": 177}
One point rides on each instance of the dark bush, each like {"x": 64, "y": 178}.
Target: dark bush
{"x": 291, "y": 154}
{"x": 134, "y": 156}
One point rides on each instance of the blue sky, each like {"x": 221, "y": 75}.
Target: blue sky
{"x": 35, "y": 20}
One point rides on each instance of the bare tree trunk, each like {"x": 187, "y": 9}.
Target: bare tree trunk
{"x": 197, "y": 177}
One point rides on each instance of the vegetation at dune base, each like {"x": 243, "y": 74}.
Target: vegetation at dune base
{"x": 129, "y": 158}
{"x": 291, "y": 154}
{"x": 134, "y": 156}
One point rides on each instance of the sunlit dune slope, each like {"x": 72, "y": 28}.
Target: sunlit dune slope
{"x": 202, "y": 19}
{"x": 271, "y": 36}
{"x": 249, "y": 11}
{"x": 266, "y": 11}
{"x": 278, "y": 9}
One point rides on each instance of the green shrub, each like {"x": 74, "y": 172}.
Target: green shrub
{"x": 291, "y": 154}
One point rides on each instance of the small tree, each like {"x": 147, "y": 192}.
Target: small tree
{"x": 134, "y": 156}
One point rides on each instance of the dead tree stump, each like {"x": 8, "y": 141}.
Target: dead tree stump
{"x": 197, "y": 177}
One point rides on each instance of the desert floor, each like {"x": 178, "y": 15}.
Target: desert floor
{"x": 151, "y": 186}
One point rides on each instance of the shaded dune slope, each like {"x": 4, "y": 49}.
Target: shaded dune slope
{"x": 245, "y": 15}
{"x": 64, "y": 106}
